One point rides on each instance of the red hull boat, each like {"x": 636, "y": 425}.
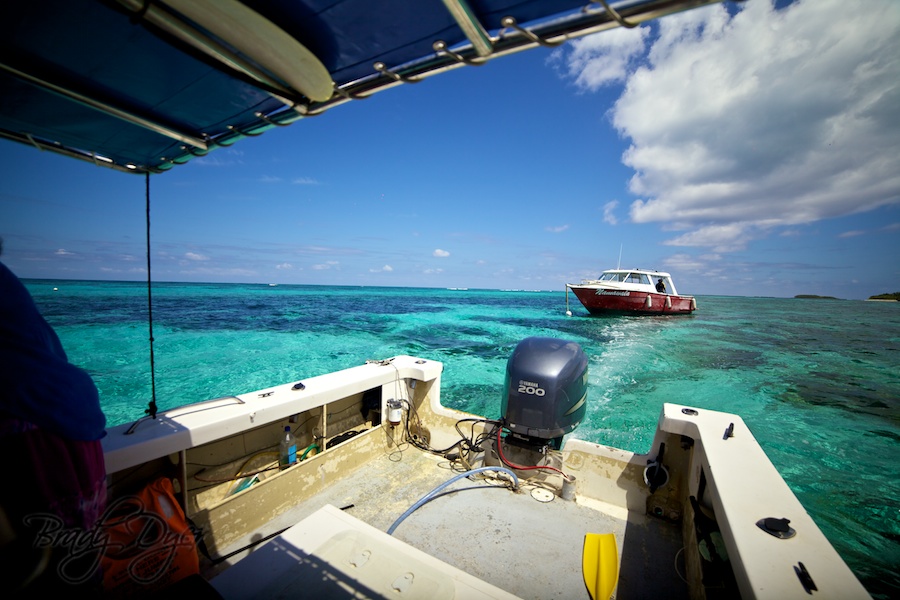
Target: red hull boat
{"x": 631, "y": 292}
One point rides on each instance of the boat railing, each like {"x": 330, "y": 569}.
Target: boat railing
{"x": 189, "y": 426}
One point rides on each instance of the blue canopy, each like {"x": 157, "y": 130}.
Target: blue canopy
{"x": 141, "y": 85}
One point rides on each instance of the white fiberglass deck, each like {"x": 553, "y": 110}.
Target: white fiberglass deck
{"x": 512, "y": 541}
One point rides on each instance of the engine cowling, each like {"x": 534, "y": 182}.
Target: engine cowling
{"x": 545, "y": 394}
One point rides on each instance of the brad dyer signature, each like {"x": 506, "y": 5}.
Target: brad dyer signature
{"x": 127, "y": 537}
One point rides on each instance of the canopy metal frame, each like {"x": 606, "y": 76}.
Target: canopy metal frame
{"x": 479, "y": 47}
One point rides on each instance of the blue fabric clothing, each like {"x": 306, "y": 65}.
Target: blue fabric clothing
{"x": 37, "y": 382}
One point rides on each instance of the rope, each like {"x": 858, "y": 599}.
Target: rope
{"x": 151, "y": 409}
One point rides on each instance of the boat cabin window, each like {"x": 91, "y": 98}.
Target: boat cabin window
{"x": 627, "y": 278}
{"x": 614, "y": 277}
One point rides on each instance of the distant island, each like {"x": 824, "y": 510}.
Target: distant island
{"x": 895, "y": 297}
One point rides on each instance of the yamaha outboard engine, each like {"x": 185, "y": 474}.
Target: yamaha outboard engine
{"x": 545, "y": 395}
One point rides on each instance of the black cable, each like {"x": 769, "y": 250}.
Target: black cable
{"x": 218, "y": 559}
{"x": 419, "y": 444}
{"x": 151, "y": 409}
{"x": 341, "y": 438}
{"x": 466, "y": 444}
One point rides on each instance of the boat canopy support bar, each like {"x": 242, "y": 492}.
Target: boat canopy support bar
{"x": 556, "y": 31}
{"x": 510, "y": 22}
{"x": 480, "y": 46}
{"x": 471, "y": 26}
{"x": 612, "y": 12}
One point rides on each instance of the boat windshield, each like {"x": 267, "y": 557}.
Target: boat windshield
{"x": 626, "y": 277}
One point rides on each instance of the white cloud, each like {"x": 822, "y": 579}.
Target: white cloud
{"x": 63, "y": 252}
{"x": 557, "y": 229}
{"x": 195, "y": 256}
{"x": 768, "y": 118}
{"x": 726, "y": 237}
{"x": 599, "y": 60}
{"x": 284, "y": 266}
{"x": 305, "y": 181}
{"x": 440, "y": 253}
{"x": 853, "y": 233}
{"x": 608, "y": 215}
{"x": 684, "y": 263}
{"x": 384, "y": 269}
{"x": 216, "y": 160}
{"x": 330, "y": 264}
{"x": 432, "y": 271}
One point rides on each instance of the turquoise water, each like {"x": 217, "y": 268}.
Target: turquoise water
{"x": 817, "y": 381}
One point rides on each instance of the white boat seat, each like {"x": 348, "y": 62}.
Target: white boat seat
{"x": 331, "y": 554}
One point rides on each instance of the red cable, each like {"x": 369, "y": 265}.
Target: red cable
{"x": 520, "y": 467}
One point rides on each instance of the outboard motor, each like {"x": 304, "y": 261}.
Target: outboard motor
{"x": 545, "y": 395}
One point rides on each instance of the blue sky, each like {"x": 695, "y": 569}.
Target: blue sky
{"x": 748, "y": 152}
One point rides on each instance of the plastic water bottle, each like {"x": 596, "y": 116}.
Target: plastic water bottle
{"x": 287, "y": 449}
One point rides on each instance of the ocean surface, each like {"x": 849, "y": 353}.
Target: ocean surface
{"x": 817, "y": 381}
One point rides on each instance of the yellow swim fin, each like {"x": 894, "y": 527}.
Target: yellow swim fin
{"x": 600, "y": 564}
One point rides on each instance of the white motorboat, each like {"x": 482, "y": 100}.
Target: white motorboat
{"x": 632, "y": 292}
